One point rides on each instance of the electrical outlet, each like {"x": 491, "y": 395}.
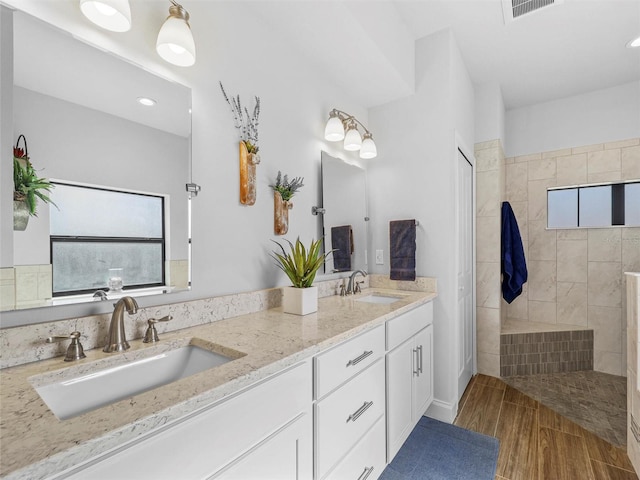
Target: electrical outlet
{"x": 379, "y": 257}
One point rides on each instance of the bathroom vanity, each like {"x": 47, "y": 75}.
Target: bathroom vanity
{"x": 319, "y": 396}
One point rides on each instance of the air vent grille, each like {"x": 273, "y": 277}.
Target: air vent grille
{"x": 522, "y": 7}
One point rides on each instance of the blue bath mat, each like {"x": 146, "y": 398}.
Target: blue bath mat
{"x": 439, "y": 451}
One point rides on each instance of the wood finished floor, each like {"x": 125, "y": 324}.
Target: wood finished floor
{"x": 537, "y": 443}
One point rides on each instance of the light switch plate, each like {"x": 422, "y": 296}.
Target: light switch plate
{"x": 379, "y": 257}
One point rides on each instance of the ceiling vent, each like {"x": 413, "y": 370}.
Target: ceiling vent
{"x": 514, "y": 9}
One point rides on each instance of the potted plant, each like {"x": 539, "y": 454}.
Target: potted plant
{"x": 28, "y": 187}
{"x": 283, "y": 192}
{"x": 300, "y": 264}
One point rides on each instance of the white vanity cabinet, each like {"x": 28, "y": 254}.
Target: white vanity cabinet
{"x": 262, "y": 432}
{"x": 409, "y": 373}
{"x": 350, "y": 408}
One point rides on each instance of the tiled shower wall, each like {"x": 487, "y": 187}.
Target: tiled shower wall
{"x": 575, "y": 276}
{"x": 490, "y": 177}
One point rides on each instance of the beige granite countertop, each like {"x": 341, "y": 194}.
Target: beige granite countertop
{"x": 35, "y": 444}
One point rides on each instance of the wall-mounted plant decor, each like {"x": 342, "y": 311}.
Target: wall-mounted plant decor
{"x": 283, "y": 192}
{"x": 247, "y": 125}
{"x": 27, "y": 187}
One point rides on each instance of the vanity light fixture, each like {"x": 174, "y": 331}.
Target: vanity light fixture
{"x": 175, "y": 41}
{"x": 113, "y": 15}
{"x": 146, "y": 101}
{"x": 635, "y": 43}
{"x": 334, "y": 131}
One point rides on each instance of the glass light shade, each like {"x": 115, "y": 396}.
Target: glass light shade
{"x": 113, "y": 15}
{"x": 334, "y": 131}
{"x": 175, "y": 42}
{"x": 368, "y": 148}
{"x": 635, "y": 43}
{"x": 352, "y": 139}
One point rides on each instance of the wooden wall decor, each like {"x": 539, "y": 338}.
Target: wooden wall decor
{"x": 248, "y": 162}
{"x": 281, "y": 214}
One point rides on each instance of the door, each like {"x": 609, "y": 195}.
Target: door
{"x": 401, "y": 368}
{"x": 423, "y": 382}
{"x": 465, "y": 312}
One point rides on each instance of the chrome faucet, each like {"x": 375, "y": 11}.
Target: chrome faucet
{"x": 117, "y": 338}
{"x": 351, "y": 287}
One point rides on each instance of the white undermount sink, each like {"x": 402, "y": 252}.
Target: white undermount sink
{"x": 382, "y": 298}
{"x": 75, "y": 396}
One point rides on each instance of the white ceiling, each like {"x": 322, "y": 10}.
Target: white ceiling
{"x": 566, "y": 49}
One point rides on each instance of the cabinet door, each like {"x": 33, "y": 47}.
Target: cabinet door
{"x": 423, "y": 381}
{"x": 401, "y": 363}
{"x": 287, "y": 455}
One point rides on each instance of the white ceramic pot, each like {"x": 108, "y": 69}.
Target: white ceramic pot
{"x": 20, "y": 215}
{"x": 300, "y": 301}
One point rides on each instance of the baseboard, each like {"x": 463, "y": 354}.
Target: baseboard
{"x": 443, "y": 411}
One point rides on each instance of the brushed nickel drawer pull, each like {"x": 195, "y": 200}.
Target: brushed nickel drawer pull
{"x": 367, "y": 471}
{"x": 358, "y": 359}
{"x": 415, "y": 359}
{"x": 420, "y": 357}
{"x": 354, "y": 416}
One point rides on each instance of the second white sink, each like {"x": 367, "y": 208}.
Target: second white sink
{"x": 379, "y": 298}
{"x": 75, "y": 396}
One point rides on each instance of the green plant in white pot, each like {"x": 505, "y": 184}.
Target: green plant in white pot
{"x": 300, "y": 264}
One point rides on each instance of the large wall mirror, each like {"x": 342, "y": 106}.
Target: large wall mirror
{"x": 120, "y": 166}
{"x": 344, "y": 222}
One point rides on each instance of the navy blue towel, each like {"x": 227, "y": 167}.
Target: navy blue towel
{"x": 342, "y": 245}
{"x": 513, "y": 265}
{"x": 402, "y": 249}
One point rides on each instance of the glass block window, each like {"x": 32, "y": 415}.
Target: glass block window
{"x": 95, "y": 229}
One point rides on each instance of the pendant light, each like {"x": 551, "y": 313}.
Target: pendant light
{"x": 175, "y": 42}
{"x": 334, "y": 131}
{"x": 113, "y": 15}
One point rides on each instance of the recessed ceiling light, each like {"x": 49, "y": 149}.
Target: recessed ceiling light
{"x": 634, "y": 43}
{"x": 147, "y": 102}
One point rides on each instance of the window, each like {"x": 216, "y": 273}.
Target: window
{"x": 95, "y": 229}
{"x": 591, "y": 206}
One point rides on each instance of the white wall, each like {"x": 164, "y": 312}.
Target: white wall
{"x": 414, "y": 177}
{"x": 231, "y": 242}
{"x": 489, "y": 113}
{"x": 596, "y": 117}
{"x": 6, "y": 137}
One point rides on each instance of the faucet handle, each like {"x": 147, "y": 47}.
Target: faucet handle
{"x": 75, "y": 350}
{"x": 357, "y": 288}
{"x": 151, "y": 335}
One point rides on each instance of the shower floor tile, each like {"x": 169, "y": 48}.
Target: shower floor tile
{"x": 594, "y": 400}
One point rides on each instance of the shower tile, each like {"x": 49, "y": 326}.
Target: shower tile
{"x": 488, "y": 239}
{"x": 607, "y": 362}
{"x": 572, "y": 260}
{"x": 516, "y": 182}
{"x": 487, "y": 195}
{"x": 519, "y": 308}
{"x": 603, "y": 161}
{"x": 537, "y": 197}
{"x": 571, "y": 170}
{"x": 630, "y": 158}
{"x": 556, "y": 153}
{"x": 631, "y": 249}
{"x": 544, "y": 312}
{"x": 486, "y": 159}
{"x": 572, "y": 234}
{"x": 572, "y": 303}
{"x": 488, "y": 284}
{"x": 542, "y": 242}
{"x": 605, "y": 244}
{"x": 488, "y": 330}
{"x": 622, "y": 143}
{"x": 542, "y": 169}
{"x": 605, "y": 284}
{"x": 606, "y": 323}
{"x": 542, "y": 281}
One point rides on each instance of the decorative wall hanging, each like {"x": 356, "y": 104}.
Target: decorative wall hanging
{"x": 27, "y": 187}
{"x": 283, "y": 192}
{"x": 247, "y": 125}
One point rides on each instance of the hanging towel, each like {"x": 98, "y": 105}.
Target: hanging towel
{"x": 513, "y": 265}
{"x": 402, "y": 249}
{"x": 342, "y": 245}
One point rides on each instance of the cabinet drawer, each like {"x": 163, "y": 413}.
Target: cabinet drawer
{"x": 408, "y": 324}
{"x": 343, "y": 417}
{"x": 334, "y": 367}
{"x": 202, "y": 443}
{"x": 366, "y": 460}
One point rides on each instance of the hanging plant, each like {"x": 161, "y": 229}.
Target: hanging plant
{"x": 246, "y": 123}
{"x": 286, "y": 188}
{"x": 28, "y": 187}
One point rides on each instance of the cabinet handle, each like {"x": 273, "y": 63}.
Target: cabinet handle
{"x": 416, "y": 362}
{"x": 367, "y": 471}
{"x": 420, "y": 358}
{"x": 355, "y": 415}
{"x": 358, "y": 359}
